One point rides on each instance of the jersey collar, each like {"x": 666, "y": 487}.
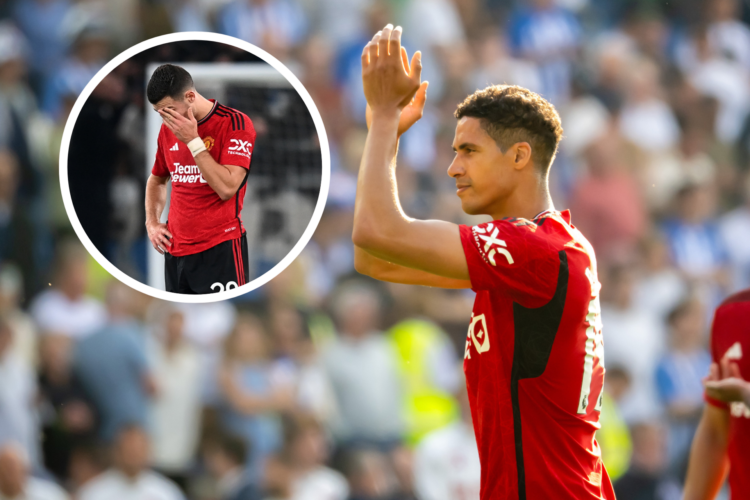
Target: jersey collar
{"x": 565, "y": 214}
{"x": 210, "y": 113}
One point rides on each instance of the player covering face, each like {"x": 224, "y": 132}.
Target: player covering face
{"x": 534, "y": 351}
{"x": 204, "y": 149}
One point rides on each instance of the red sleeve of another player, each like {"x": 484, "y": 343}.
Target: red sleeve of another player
{"x": 503, "y": 255}
{"x": 238, "y": 145}
{"x": 160, "y": 168}
{"x": 716, "y": 358}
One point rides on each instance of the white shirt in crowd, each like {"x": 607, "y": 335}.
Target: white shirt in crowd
{"x": 39, "y": 489}
{"x": 176, "y": 410}
{"x": 54, "y": 312}
{"x": 113, "y": 484}
{"x": 635, "y": 339}
{"x": 18, "y": 417}
{"x": 321, "y": 484}
{"x": 446, "y": 465}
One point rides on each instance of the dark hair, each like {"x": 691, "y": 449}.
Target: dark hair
{"x": 168, "y": 80}
{"x": 511, "y": 114}
{"x": 233, "y": 447}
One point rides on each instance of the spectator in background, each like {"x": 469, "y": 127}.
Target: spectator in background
{"x": 111, "y": 365}
{"x": 18, "y": 417}
{"x": 446, "y": 461}
{"x": 426, "y": 359}
{"x": 18, "y": 108}
{"x": 308, "y": 451}
{"x": 176, "y": 409}
{"x": 734, "y": 227}
{"x": 295, "y": 348}
{"x": 25, "y": 331}
{"x": 694, "y": 239}
{"x": 645, "y": 118}
{"x": 607, "y": 202}
{"x": 371, "y": 476}
{"x": 363, "y": 370}
{"x": 278, "y": 478}
{"x": 254, "y": 390}
{"x": 67, "y": 415}
{"x": 679, "y": 377}
{"x": 17, "y": 484}
{"x": 65, "y": 308}
{"x": 548, "y": 35}
{"x": 18, "y": 232}
{"x": 130, "y": 477}
{"x": 497, "y": 65}
{"x": 660, "y": 287}
{"x": 274, "y": 25}
{"x": 89, "y": 42}
{"x": 225, "y": 456}
{"x": 88, "y": 459}
{"x": 646, "y": 478}
{"x": 727, "y": 34}
{"x": 634, "y": 338}
{"x": 614, "y": 436}
{"x": 720, "y": 77}
{"x": 41, "y": 21}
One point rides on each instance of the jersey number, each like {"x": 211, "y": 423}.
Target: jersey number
{"x": 594, "y": 340}
{"x": 231, "y": 285}
{"x": 594, "y": 346}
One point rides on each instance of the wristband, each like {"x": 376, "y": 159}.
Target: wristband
{"x": 196, "y": 146}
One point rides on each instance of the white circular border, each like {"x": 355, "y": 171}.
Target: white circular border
{"x": 324, "y": 183}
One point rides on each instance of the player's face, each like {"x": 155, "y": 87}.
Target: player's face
{"x": 179, "y": 105}
{"x": 484, "y": 175}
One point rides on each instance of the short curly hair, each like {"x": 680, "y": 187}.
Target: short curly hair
{"x": 511, "y": 114}
{"x": 168, "y": 80}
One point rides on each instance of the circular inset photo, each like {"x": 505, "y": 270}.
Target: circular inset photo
{"x": 194, "y": 167}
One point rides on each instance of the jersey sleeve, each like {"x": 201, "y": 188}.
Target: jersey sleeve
{"x": 509, "y": 257}
{"x": 239, "y": 141}
{"x": 160, "y": 168}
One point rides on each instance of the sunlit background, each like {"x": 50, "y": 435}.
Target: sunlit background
{"x": 324, "y": 384}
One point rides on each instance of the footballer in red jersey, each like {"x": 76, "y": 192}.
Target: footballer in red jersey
{"x": 204, "y": 148}
{"x": 534, "y": 353}
{"x": 722, "y": 441}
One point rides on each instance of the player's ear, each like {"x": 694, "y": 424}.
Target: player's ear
{"x": 190, "y": 96}
{"x": 522, "y": 154}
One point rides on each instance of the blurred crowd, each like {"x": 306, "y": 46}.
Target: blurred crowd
{"x": 327, "y": 385}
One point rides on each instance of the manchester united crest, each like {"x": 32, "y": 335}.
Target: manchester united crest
{"x": 209, "y": 142}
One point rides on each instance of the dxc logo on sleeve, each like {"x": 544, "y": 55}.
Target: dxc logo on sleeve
{"x": 492, "y": 245}
{"x": 240, "y": 147}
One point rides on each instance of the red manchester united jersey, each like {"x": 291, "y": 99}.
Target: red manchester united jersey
{"x": 534, "y": 359}
{"x": 730, "y": 337}
{"x": 198, "y": 218}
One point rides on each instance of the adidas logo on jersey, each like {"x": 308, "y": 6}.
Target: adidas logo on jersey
{"x": 176, "y": 147}
{"x": 189, "y": 174}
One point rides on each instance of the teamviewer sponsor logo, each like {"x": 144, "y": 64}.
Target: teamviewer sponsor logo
{"x": 189, "y": 174}
{"x": 240, "y": 147}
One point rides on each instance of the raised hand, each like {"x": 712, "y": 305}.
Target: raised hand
{"x": 387, "y": 84}
{"x": 725, "y": 383}
{"x": 185, "y": 129}
{"x": 413, "y": 111}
